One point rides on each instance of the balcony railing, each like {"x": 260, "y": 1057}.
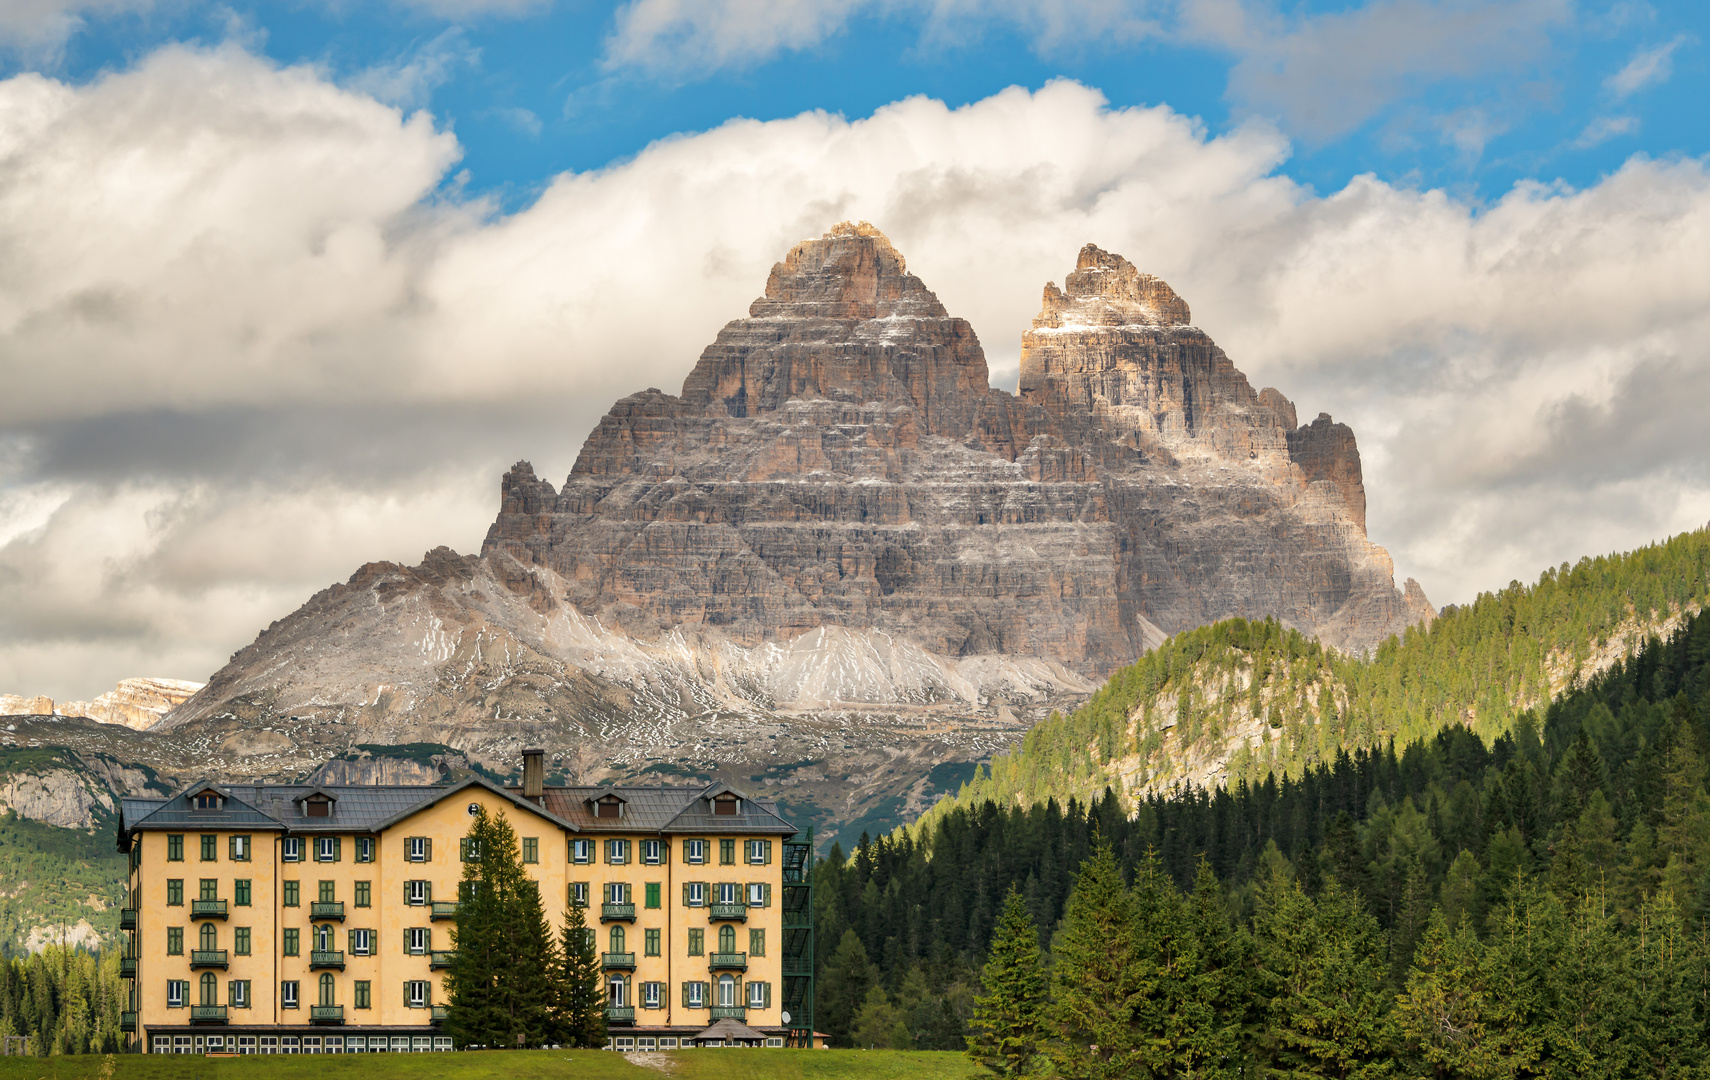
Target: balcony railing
{"x": 729, "y": 913}
{"x": 443, "y": 910}
{"x": 326, "y": 958}
{"x": 207, "y": 1014}
{"x": 207, "y": 909}
{"x": 728, "y": 961}
{"x": 617, "y": 912}
{"x": 620, "y": 1014}
{"x": 127, "y": 967}
{"x": 326, "y": 1014}
{"x": 618, "y": 960}
{"x": 127, "y": 1021}
{"x": 128, "y": 918}
{"x": 729, "y": 1012}
{"x": 208, "y": 958}
{"x": 442, "y": 958}
{"x": 441, "y": 1013}
{"x": 327, "y": 910}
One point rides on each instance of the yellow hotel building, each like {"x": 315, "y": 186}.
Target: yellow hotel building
{"x": 267, "y": 918}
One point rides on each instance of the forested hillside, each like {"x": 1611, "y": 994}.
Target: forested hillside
{"x": 1585, "y": 833}
{"x": 1241, "y": 700}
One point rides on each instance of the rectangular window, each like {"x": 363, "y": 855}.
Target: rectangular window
{"x": 617, "y": 852}
{"x": 175, "y": 848}
{"x": 210, "y": 847}
{"x": 365, "y": 849}
{"x": 363, "y": 894}
{"x": 727, "y": 893}
{"x": 240, "y": 849}
{"x": 695, "y": 995}
{"x": 362, "y": 994}
{"x": 416, "y": 994}
{"x": 416, "y": 940}
{"x": 468, "y": 850}
{"x": 416, "y": 893}
{"x": 290, "y": 941}
{"x": 579, "y": 893}
{"x": 175, "y": 941}
{"x": 617, "y": 893}
{"x": 288, "y": 994}
{"x": 420, "y": 850}
{"x": 177, "y": 990}
{"x": 727, "y": 852}
{"x": 362, "y": 942}
{"x": 291, "y": 849}
{"x": 759, "y": 852}
{"x": 697, "y": 942}
{"x": 759, "y": 995}
{"x": 695, "y": 894}
{"x": 208, "y": 889}
{"x": 652, "y": 852}
{"x": 651, "y": 993}
{"x": 328, "y": 892}
{"x": 241, "y": 892}
{"x": 291, "y": 894}
{"x": 581, "y": 851}
{"x": 756, "y": 894}
{"x": 237, "y": 992}
{"x": 175, "y": 892}
{"x": 240, "y": 941}
{"x": 652, "y": 892}
{"x": 531, "y": 849}
{"x": 326, "y": 849}
{"x": 651, "y": 938}
{"x": 695, "y": 852}
{"x": 756, "y": 943}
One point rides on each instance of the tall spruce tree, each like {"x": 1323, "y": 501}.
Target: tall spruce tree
{"x": 1009, "y": 1016}
{"x": 583, "y": 1015}
{"x": 1099, "y": 977}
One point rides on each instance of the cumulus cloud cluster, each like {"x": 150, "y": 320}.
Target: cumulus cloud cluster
{"x": 251, "y": 337}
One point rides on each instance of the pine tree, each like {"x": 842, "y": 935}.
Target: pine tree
{"x": 1099, "y": 976}
{"x": 1008, "y": 1017}
{"x": 583, "y": 997}
{"x": 475, "y": 1018}
{"x": 1441, "y": 1014}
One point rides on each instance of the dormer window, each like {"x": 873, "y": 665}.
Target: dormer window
{"x": 608, "y": 806}
{"x": 207, "y": 800}
{"x": 317, "y": 806}
{"x": 726, "y": 805}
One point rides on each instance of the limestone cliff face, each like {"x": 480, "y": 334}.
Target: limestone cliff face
{"x": 135, "y": 703}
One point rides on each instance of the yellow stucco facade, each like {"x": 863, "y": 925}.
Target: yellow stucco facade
{"x": 278, "y": 932}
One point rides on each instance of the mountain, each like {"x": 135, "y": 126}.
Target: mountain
{"x": 1241, "y": 700}
{"x": 838, "y": 566}
{"x": 135, "y": 703}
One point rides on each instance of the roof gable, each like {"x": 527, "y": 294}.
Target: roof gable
{"x": 444, "y": 793}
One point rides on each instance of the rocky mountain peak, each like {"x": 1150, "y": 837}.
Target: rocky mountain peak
{"x": 1106, "y": 289}
{"x": 852, "y": 272}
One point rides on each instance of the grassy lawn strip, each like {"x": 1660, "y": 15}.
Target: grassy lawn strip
{"x": 730, "y": 1064}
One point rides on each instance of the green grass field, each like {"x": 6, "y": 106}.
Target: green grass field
{"x": 729, "y": 1064}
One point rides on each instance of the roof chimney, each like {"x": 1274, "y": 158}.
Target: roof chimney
{"x": 534, "y": 774}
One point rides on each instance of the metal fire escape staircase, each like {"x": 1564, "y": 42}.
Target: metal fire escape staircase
{"x": 798, "y": 940}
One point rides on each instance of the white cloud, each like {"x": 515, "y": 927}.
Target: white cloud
{"x": 1603, "y": 128}
{"x": 248, "y": 347}
{"x": 1648, "y": 67}
{"x": 39, "y": 27}
{"x": 688, "y": 38}
{"x": 408, "y": 81}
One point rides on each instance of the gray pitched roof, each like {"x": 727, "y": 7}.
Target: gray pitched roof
{"x": 727, "y": 1030}
{"x": 663, "y": 809}
{"x": 276, "y": 806}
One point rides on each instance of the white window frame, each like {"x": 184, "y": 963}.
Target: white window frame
{"x": 418, "y": 940}
{"x": 579, "y": 893}
{"x": 756, "y": 894}
{"x": 581, "y": 851}
{"x": 617, "y": 892}
{"x": 291, "y": 849}
{"x": 325, "y": 848}
{"x": 727, "y": 982}
{"x": 696, "y": 998}
{"x": 652, "y": 852}
{"x": 416, "y": 890}
{"x": 617, "y": 852}
{"x": 288, "y": 994}
{"x": 729, "y": 892}
{"x": 361, "y": 943}
{"x": 696, "y": 852}
{"x": 240, "y": 849}
{"x": 238, "y": 992}
{"x": 650, "y": 995}
{"x": 756, "y": 853}
{"x": 697, "y": 894}
{"x": 177, "y": 992}
{"x": 364, "y": 849}
{"x": 418, "y": 849}
{"x": 756, "y": 995}
{"x": 418, "y": 994}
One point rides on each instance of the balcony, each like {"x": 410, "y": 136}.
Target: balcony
{"x": 442, "y": 958}
{"x": 127, "y": 1021}
{"x": 728, "y": 961}
{"x": 611, "y": 960}
{"x": 127, "y": 967}
{"x": 326, "y": 1014}
{"x": 128, "y": 918}
{"x": 207, "y": 1014}
{"x": 729, "y": 1012}
{"x": 798, "y": 965}
{"x": 443, "y": 910}
{"x": 728, "y": 913}
{"x": 208, "y": 958}
{"x": 326, "y": 958}
{"x": 440, "y": 1013}
{"x": 620, "y": 1014}
{"x": 327, "y": 911}
{"x": 207, "y": 909}
{"x": 617, "y": 912}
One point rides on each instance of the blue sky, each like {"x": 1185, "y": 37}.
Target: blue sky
{"x": 288, "y": 286}
{"x": 1468, "y": 96}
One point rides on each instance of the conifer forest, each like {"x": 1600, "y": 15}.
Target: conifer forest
{"x": 1535, "y": 906}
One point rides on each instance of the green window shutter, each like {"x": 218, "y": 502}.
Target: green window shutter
{"x": 768, "y": 844}
{"x": 429, "y": 885}
{"x": 337, "y": 848}
{"x": 768, "y": 987}
{"x": 685, "y": 995}
{"x": 406, "y": 993}
{"x": 685, "y": 901}
{"x": 430, "y": 939}
{"x": 406, "y": 892}
{"x": 428, "y": 854}
{"x": 463, "y": 849}
{"x": 766, "y": 890}
{"x": 406, "y": 942}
